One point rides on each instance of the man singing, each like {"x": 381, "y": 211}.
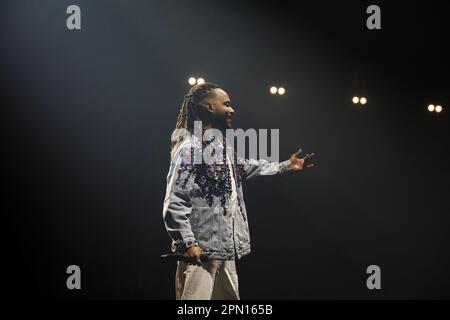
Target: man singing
{"x": 204, "y": 209}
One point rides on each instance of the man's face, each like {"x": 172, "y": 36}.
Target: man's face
{"x": 220, "y": 106}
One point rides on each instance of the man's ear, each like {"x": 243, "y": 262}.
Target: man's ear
{"x": 210, "y": 107}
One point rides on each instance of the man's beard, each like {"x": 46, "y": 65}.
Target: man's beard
{"x": 223, "y": 122}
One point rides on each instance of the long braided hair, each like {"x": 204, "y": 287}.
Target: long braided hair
{"x": 189, "y": 111}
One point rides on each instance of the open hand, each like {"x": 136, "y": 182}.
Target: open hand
{"x": 299, "y": 163}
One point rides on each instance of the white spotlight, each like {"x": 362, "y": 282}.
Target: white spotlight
{"x": 281, "y": 91}
{"x": 273, "y": 90}
{"x": 200, "y": 81}
{"x": 355, "y": 100}
{"x": 431, "y": 107}
{"x": 192, "y": 81}
{"x": 438, "y": 109}
{"x": 363, "y": 100}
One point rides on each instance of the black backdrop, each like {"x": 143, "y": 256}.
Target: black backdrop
{"x": 86, "y": 119}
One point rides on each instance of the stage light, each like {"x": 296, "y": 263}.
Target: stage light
{"x": 192, "y": 81}
{"x": 281, "y": 91}
{"x": 273, "y": 90}
{"x": 431, "y": 107}
{"x": 363, "y": 100}
{"x": 438, "y": 109}
{"x": 355, "y": 100}
{"x": 200, "y": 81}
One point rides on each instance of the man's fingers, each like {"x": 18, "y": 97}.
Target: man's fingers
{"x": 191, "y": 260}
{"x": 197, "y": 261}
{"x": 194, "y": 260}
{"x": 308, "y": 157}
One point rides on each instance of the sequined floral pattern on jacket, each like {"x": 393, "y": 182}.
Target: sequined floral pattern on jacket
{"x": 213, "y": 179}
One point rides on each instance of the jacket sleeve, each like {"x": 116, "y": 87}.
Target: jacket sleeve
{"x": 177, "y": 204}
{"x": 254, "y": 168}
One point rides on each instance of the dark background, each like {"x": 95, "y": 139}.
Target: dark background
{"x": 87, "y": 115}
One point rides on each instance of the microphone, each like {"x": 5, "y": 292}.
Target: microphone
{"x": 180, "y": 257}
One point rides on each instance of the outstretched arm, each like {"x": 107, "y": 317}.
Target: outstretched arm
{"x": 254, "y": 168}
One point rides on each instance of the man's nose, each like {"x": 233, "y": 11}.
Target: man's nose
{"x": 231, "y": 110}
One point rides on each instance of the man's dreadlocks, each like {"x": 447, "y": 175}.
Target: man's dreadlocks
{"x": 189, "y": 111}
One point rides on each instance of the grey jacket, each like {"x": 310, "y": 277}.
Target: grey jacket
{"x": 197, "y": 207}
